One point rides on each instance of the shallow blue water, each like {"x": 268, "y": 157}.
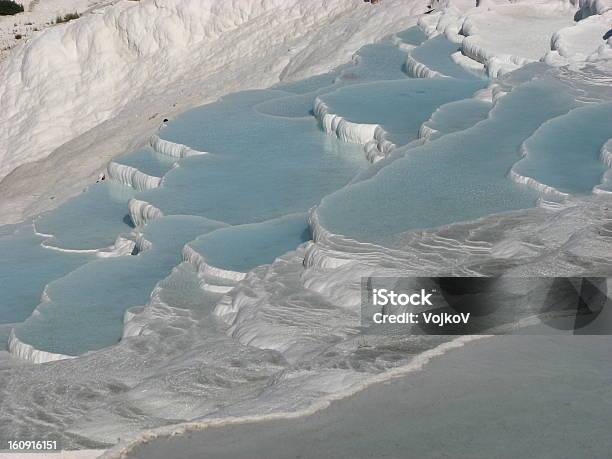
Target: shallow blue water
{"x": 26, "y": 268}
{"x": 435, "y": 53}
{"x": 92, "y": 220}
{"x": 291, "y": 106}
{"x": 86, "y": 307}
{"x": 269, "y": 162}
{"x": 460, "y": 176}
{"x": 400, "y": 107}
{"x": 382, "y": 61}
{"x": 457, "y": 116}
{"x": 147, "y": 161}
{"x": 565, "y": 152}
{"x": 242, "y": 248}
{"x": 412, "y": 36}
{"x": 309, "y": 84}
{"x": 377, "y": 62}
{"x": 260, "y": 167}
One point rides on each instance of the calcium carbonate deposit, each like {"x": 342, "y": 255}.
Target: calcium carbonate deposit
{"x": 266, "y": 156}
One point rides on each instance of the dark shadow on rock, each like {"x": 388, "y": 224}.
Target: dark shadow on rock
{"x": 128, "y": 221}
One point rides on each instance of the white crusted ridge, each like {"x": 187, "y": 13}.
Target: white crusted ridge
{"x": 330, "y": 251}
{"x": 46, "y": 245}
{"x": 529, "y": 235}
{"x": 533, "y": 183}
{"x": 495, "y": 65}
{"x": 126, "y": 446}
{"x": 132, "y": 327}
{"x": 136, "y": 319}
{"x": 582, "y": 42}
{"x": 132, "y": 177}
{"x": 599, "y": 189}
{"x": 530, "y": 181}
{"x": 334, "y": 261}
{"x": 175, "y": 150}
{"x": 379, "y": 147}
{"x": 371, "y": 136}
{"x": 416, "y": 69}
{"x": 141, "y": 212}
{"x": 260, "y": 314}
{"x": 500, "y": 37}
{"x": 425, "y": 132}
{"x": 29, "y": 353}
{"x": 345, "y": 130}
{"x": 212, "y": 279}
{"x": 492, "y": 93}
{"x": 469, "y": 64}
{"x": 123, "y": 246}
{"x": 436, "y": 23}
{"x": 190, "y": 255}
{"x": 605, "y": 187}
{"x": 44, "y": 297}
{"x": 606, "y": 153}
{"x": 142, "y": 244}
{"x": 401, "y": 44}
{"x": 215, "y": 288}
